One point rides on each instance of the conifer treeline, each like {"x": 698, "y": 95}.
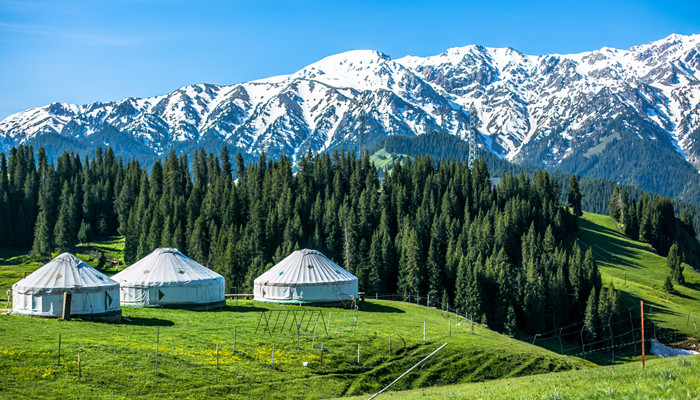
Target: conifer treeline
{"x": 650, "y": 220}
{"x": 429, "y": 228}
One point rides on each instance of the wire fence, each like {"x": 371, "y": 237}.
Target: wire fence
{"x": 620, "y": 337}
{"x": 312, "y": 337}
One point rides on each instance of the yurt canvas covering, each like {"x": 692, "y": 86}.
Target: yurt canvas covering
{"x": 305, "y": 276}
{"x": 169, "y": 278}
{"x": 93, "y": 294}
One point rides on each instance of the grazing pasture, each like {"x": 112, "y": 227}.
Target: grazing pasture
{"x": 118, "y": 360}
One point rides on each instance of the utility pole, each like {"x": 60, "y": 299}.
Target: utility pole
{"x": 472, "y": 135}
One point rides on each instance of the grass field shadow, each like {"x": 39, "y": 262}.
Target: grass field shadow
{"x": 632, "y": 302}
{"x": 683, "y": 295}
{"x": 611, "y": 245}
{"x": 379, "y": 308}
{"x": 146, "y": 321}
{"x": 241, "y": 309}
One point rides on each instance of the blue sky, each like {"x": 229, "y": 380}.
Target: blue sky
{"x": 101, "y": 50}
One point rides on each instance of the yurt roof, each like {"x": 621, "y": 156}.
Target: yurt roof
{"x": 309, "y": 267}
{"x": 64, "y": 272}
{"x": 163, "y": 267}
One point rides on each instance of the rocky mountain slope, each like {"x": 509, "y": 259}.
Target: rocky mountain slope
{"x": 629, "y": 115}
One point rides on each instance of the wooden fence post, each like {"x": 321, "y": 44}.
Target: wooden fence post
{"x": 58, "y": 360}
{"x": 641, "y": 304}
{"x": 157, "y": 340}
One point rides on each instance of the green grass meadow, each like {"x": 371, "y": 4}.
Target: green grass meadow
{"x": 637, "y": 270}
{"x": 14, "y": 263}
{"x": 671, "y": 378}
{"x": 118, "y": 359}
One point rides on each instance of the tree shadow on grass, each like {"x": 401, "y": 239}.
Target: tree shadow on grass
{"x": 683, "y": 296}
{"x": 601, "y": 231}
{"x": 379, "y": 308}
{"x": 241, "y": 309}
{"x": 138, "y": 321}
{"x": 632, "y": 302}
{"x": 609, "y": 245}
{"x": 694, "y": 286}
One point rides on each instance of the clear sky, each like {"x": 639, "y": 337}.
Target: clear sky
{"x": 84, "y": 51}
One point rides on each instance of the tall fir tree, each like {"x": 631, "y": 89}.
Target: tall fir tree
{"x": 674, "y": 262}
{"x": 574, "y": 196}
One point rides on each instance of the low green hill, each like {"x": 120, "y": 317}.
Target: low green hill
{"x": 672, "y": 378}
{"x": 639, "y": 272}
{"x": 118, "y": 360}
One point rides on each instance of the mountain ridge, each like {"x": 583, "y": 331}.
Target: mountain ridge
{"x": 572, "y": 111}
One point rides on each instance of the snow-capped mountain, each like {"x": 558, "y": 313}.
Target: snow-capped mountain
{"x": 605, "y": 113}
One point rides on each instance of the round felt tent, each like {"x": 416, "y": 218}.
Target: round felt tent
{"x": 305, "y": 276}
{"x": 167, "y": 277}
{"x": 93, "y": 294}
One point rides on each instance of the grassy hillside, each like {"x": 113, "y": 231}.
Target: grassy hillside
{"x": 14, "y": 263}
{"x": 637, "y": 270}
{"x": 674, "y": 378}
{"x": 382, "y": 159}
{"x": 118, "y": 360}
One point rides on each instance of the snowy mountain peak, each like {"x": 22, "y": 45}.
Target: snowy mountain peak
{"x": 347, "y": 69}
{"x": 569, "y": 111}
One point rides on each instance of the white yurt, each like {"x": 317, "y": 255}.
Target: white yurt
{"x": 167, "y": 277}
{"x": 93, "y": 294}
{"x": 306, "y": 276}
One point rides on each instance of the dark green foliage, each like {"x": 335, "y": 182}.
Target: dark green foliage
{"x": 429, "y": 228}
{"x": 574, "y": 196}
{"x": 674, "y": 262}
{"x": 440, "y": 146}
{"x": 668, "y": 285}
{"x": 687, "y": 220}
{"x": 84, "y": 233}
{"x": 590, "y": 322}
{"x": 632, "y": 160}
{"x": 101, "y": 261}
{"x": 653, "y": 220}
{"x": 597, "y": 194}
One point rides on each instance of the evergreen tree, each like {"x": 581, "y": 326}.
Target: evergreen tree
{"x": 574, "y": 196}
{"x": 84, "y": 233}
{"x": 645, "y": 228}
{"x": 431, "y": 227}
{"x": 631, "y": 225}
{"x": 62, "y": 232}
{"x": 534, "y": 299}
{"x": 687, "y": 220}
{"x": 101, "y": 261}
{"x": 412, "y": 271}
{"x": 668, "y": 285}
{"x": 376, "y": 264}
{"x": 511, "y": 322}
{"x": 590, "y": 322}
{"x": 674, "y": 262}
{"x": 198, "y": 246}
{"x": 131, "y": 240}
{"x": 614, "y": 205}
{"x": 43, "y": 237}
